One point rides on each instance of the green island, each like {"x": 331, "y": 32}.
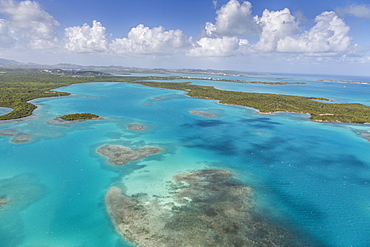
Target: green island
{"x": 79, "y": 116}
{"x": 18, "y": 86}
{"x": 269, "y": 103}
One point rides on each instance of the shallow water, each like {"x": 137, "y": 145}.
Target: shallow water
{"x": 4, "y": 110}
{"x": 309, "y": 178}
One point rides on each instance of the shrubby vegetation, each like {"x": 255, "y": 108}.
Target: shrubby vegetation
{"x": 79, "y": 116}
{"x": 18, "y": 86}
{"x": 269, "y": 103}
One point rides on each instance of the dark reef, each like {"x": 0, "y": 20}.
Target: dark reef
{"x": 136, "y": 127}
{"x": 8, "y": 132}
{"x": 3, "y": 201}
{"x": 21, "y": 138}
{"x": 118, "y": 155}
{"x": 209, "y": 208}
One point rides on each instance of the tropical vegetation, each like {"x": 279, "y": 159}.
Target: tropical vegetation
{"x": 79, "y": 116}
{"x": 19, "y": 86}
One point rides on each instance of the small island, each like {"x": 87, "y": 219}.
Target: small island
{"x": 79, "y": 117}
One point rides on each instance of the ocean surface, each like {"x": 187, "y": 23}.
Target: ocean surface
{"x": 310, "y": 178}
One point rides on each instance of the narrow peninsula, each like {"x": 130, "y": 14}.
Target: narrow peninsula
{"x": 270, "y": 103}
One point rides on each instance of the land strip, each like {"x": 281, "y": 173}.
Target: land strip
{"x": 231, "y": 80}
{"x": 19, "y": 86}
{"x": 269, "y": 103}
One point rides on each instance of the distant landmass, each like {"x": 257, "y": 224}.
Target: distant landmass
{"x": 5, "y": 63}
{"x": 9, "y": 62}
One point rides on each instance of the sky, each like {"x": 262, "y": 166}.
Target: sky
{"x": 286, "y": 36}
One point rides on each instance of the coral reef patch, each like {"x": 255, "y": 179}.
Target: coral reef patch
{"x": 366, "y": 135}
{"x": 118, "y": 155}
{"x": 208, "y": 208}
{"x": 3, "y": 201}
{"x": 8, "y": 132}
{"x": 158, "y": 98}
{"x": 203, "y": 114}
{"x": 21, "y": 138}
{"x": 135, "y": 127}
{"x": 17, "y": 137}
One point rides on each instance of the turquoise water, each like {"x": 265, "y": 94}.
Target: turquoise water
{"x": 4, "y": 110}
{"x": 310, "y": 178}
{"x": 334, "y": 91}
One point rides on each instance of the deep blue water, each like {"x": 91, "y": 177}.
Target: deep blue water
{"x": 311, "y": 178}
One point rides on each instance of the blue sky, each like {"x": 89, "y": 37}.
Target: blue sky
{"x": 322, "y": 37}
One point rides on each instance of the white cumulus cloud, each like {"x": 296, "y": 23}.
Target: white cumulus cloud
{"x": 29, "y": 23}
{"x": 275, "y": 25}
{"x": 233, "y": 19}
{"x": 6, "y": 38}
{"x": 145, "y": 40}
{"x": 86, "y": 39}
{"x": 216, "y": 47}
{"x": 360, "y": 11}
{"x": 330, "y": 34}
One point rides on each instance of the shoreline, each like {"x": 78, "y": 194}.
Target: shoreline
{"x": 312, "y": 117}
{"x": 321, "y": 112}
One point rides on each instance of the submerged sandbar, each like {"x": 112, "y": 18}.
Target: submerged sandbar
{"x": 118, "y": 155}
{"x": 209, "y": 208}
